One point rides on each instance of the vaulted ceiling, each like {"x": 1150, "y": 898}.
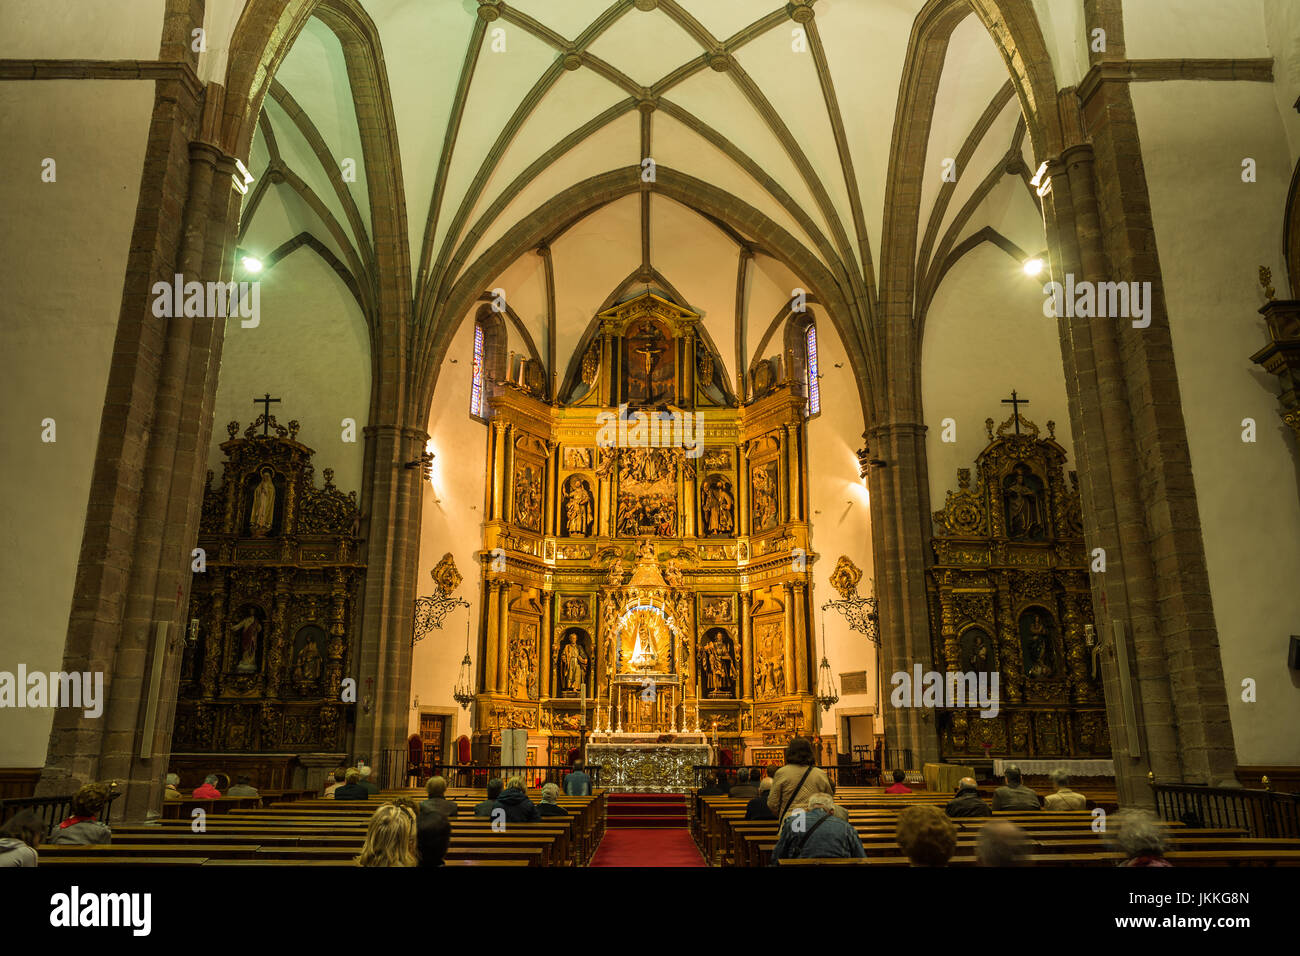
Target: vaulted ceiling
{"x": 501, "y": 106}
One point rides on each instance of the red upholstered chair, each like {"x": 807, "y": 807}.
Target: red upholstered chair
{"x": 414, "y": 759}
{"x": 724, "y": 757}
{"x": 464, "y": 756}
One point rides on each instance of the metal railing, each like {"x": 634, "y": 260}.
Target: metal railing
{"x": 390, "y": 776}
{"x": 52, "y": 810}
{"x": 705, "y": 772}
{"x": 1263, "y": 813}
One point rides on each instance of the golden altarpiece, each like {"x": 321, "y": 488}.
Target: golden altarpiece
{"x": 271, "y": 613}
{"x": 637, "y": 572}
{"x": 1009, "y": 594}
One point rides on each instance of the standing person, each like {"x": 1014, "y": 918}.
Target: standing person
{"x": 798, "y": 780}
{"x": 577, "y": 783}
{"x": 19, "y": 838}
{"x": 83, "y": 827}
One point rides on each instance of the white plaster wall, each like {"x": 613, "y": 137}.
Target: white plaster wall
{"x": 312, "y": 351}
{"x": 1212, "y": 233}
{"x": 840, "y": 512}
{"x": 452, "y": 516}
{"x": 985, "y": 335}
{"x": 62, "y": 274}
{"x": 81, "y": 30}
{"x": 1194, "y": 28}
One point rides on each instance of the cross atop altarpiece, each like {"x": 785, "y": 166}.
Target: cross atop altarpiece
{"x": 265, "y": 402}
{"x": 1015, "y": 403}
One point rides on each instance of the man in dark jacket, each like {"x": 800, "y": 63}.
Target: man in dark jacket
{"x": 515, "y": 803}
{"x": 743, "y": 789}
{"x": 548, "y": 807}
{"x": 438, "y": 802}
{"x": 1015, "y": 795}
{"x": 757, "y": 809}
{"x": 967, "y": 802}
{"x": 352, "y": 789}
{"x": 715, "y": 786}
{"x": 484, "y": 809}
{"x": 577, "y": 783}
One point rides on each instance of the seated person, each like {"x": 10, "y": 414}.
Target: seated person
{"x": 743, "y": 788}
{"x": 926, "y": 836}
{"x": 577, "y": 783}
{"x": 1140, "y": 837}
{"x": 335, "y": 781}
{"x": 484, "y": 808}
{"x": 816, "y": 833}
{"x": 967, "y": 802}
{"x": 83, "y": 827}
{"x": 548, "y": 807}
{"x": 390, "y": 835}
{"x": 365, "y": 780}
{"x": 19, "y": 838}
{"x": 172, "y": 791}
{"x": 1001, "y": 843}
{"x": 352, "y": 789}
{"x": 515, "y": 804}
{"x": 207, "y": 790}
{"x": 1064, "y": 798}
{"x": 1015, "y": 795}
{"x": 757, "y": 808}
{"x": 899, "y": 786}
{"x": 243, "y": 787}
{"x": 715, "y": 785}
{"x": 432, "y": 837}
{"x": 438, "y": 802}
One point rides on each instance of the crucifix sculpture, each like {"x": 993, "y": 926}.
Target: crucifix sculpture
{"x": 266, "y": 414}
{"x": 1015, "y": 404}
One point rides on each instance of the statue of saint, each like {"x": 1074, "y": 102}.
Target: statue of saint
{"x": 719, "y": 507}
{"x": 308, "y": 667}
{"x": 1040, "y": 648}
{"x": 249, "y": 629}
{"x": 573, "y": 665}
{"x": 578, "y": 508}
{"x": 1024, "y": 517}
{"x": 262, "y": 514}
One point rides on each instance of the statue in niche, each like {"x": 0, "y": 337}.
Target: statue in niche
{"x": 573, "y": 663}
{"x": 308, "y": 666}
{"x": 523, "y": 661}
{"x": 579, "y": 508}
{"x": 1036, "y": 635}
{"x": 250, "y": 631}
{"x": 262, "y": 514}
{"x": 765, "y": 497}
{"x": 975, "y": 657}
{"x": 719, "y": 506}
{"x": 718, "y": 665}
{"x": 1023, "y": 505}
{"x": 769, "y": 671}
{"x": 528, "y": 498}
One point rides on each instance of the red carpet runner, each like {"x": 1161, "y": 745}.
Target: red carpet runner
{"x": 657, "y": 847}
{"x": 646, "y": 829}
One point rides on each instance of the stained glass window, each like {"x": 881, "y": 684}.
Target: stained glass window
{"x": 814, "y": 386}
{"x": 476, "y": 384}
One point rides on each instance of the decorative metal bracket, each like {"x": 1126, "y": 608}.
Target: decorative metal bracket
{"x": 431, "y": 611}
{"x": 860, "y": 612}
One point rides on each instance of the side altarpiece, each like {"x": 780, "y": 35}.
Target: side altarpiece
{"x": 271, "y": 617}
{"x": 1009, "y": 593}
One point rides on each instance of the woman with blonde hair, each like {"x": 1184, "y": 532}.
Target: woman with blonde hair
{"x": 390, "y": 838}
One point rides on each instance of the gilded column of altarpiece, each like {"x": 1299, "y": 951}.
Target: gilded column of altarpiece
{"x": 1009, "y": 594}
{"x": 640, "y": 529}
{"x": 271, "y": 614}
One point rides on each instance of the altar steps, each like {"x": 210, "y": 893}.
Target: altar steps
{"x": 645, "y": 811}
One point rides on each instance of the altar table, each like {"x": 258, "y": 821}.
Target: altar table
{"x": 648, "y": 767}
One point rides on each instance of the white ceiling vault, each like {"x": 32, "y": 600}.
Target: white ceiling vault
{"x": 787, "y": 108}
